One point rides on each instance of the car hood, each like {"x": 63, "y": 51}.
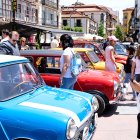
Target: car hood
{"x": 100, "y": 75}
{"x": 101, "y": 66}
{"x": 60, "y": 101}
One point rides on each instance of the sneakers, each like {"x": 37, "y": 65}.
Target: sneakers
{"x": 122, "y": 99}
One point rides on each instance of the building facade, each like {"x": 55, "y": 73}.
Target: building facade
{"x": 94, "y": 14}
{"x": 41, "y": 14}
{"x": 127, "y": 15}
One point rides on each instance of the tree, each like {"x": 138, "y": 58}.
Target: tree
{"x": 101, "y": 30}
{"x": 119, "y": 33}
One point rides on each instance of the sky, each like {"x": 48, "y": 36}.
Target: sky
{"x": 118, "y": 5}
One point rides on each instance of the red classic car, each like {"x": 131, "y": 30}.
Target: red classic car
{"x": 103, "y": 84}
{"x": 98, "y": 50}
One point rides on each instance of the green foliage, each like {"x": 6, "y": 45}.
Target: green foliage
{"x": 119, "y": 33}
{"x": 101, "y": 30}
{"x": 37, "y": 46}
{"x": 66, "y": 28}
{"x": 38, "y": 36}
{"x": 76, "y": 29}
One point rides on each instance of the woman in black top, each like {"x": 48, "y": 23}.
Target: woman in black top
{"x": 128, "y": 65}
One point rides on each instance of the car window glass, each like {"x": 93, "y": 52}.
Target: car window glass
{"x": 78, "y": 46}
{"x": 93, "y": 57}
{"x": 18, "y": 79}
{"x": 48, "y": 65}
{"x": 85, "y": 58}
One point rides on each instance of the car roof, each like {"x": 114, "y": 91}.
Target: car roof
{"x": 11, "y": 58}
{"x": 50, "y": 52}
{"x": 75, "y": 49}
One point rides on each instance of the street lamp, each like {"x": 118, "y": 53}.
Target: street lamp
{"x": 73, "y": 11}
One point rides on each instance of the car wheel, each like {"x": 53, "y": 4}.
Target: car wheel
{"x": 101, "y": 104}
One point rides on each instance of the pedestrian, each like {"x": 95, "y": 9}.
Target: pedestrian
{"x": 110, "y": 64}
{"x": 136, "y": 87}
{"x": 106, "y": 43}
{"x": 22, "y": 45}
{"x": 131, "y": 41}
{"x": 9, "y": 46}
{"x": 66, "y": 79}
{"x": 5, "y": 35}
{"x": 55, "y": 43}
{"x": 94, "y": 40}
{"x": 127, "y": 67}
{"x": 135, "y": 71}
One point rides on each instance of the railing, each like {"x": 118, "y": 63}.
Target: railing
{"x": 7, "y": 15}
{"x": 49, "y": 3}
{"x": 49, "y": 22}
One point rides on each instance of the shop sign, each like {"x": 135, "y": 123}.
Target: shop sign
{"x": 14, "y": 5}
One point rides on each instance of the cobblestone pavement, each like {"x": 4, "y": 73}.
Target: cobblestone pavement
{"x": 119, "y": 122}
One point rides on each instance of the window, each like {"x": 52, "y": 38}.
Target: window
{"x": 92, "y": 15}
{"x": 65, "y": 23}
{"x": 19, "y": 8}
{"x": 48, "y": 65}
{"x": 27, "y": 12}
{"x": 0, "y": 7}
{"x": 102, "y": 17}
{"x": 78, "y": 23}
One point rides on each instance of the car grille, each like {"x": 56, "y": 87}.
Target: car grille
{"x": 91, "y": 125}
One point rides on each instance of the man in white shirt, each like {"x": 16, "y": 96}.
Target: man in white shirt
{"x": 54, "y": 43}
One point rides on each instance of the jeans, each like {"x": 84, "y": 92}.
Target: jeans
{"x": 127, "y": 78}
{"x": 68, "y": 83}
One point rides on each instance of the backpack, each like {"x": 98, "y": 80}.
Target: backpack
{"x": 76, "y": 64}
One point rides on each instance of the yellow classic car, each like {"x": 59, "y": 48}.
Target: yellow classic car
{"x": 92, "y": 60}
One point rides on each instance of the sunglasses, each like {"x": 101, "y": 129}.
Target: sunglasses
{"x": 23, "y": 41}
{"x": 14, "y": 40}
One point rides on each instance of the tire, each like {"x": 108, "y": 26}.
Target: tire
{"x": 102, "y": 100}
{"x": 101, "y": 104}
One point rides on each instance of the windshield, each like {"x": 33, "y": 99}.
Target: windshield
{"x": 120, "y": 49}
{"x": 18, "y": 79}
{"x": 93, "y": 57}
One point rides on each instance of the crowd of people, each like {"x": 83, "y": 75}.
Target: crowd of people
{"x": 10, "y": 43}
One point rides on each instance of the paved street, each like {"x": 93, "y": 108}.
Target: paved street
{"x": 119, "y": 122}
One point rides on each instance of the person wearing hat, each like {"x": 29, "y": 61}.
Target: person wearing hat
{"x": 110, "y": 64}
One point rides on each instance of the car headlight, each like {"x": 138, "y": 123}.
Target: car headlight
{"x": 95, "y": 104}
{"x": 115, "y": 85}
{"x": 71, "y": 129}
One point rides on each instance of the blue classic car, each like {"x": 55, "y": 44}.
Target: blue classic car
{"x": 31, "y": 110}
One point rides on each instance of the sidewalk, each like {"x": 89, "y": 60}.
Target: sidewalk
{"x": 119, "y": 122}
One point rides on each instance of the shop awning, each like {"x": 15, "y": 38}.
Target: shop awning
{"x": 21, "y": 28}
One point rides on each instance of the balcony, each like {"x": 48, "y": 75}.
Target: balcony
{"x": 49, "y": 3}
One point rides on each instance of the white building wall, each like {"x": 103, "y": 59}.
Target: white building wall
{"x": 97, "y": 18}
{"x": 39, "y": 12}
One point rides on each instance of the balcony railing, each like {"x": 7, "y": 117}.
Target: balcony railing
{"x": 49, "y": 22}
{"x": 49, "y": 3}
{"x": 7, "y": 15}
